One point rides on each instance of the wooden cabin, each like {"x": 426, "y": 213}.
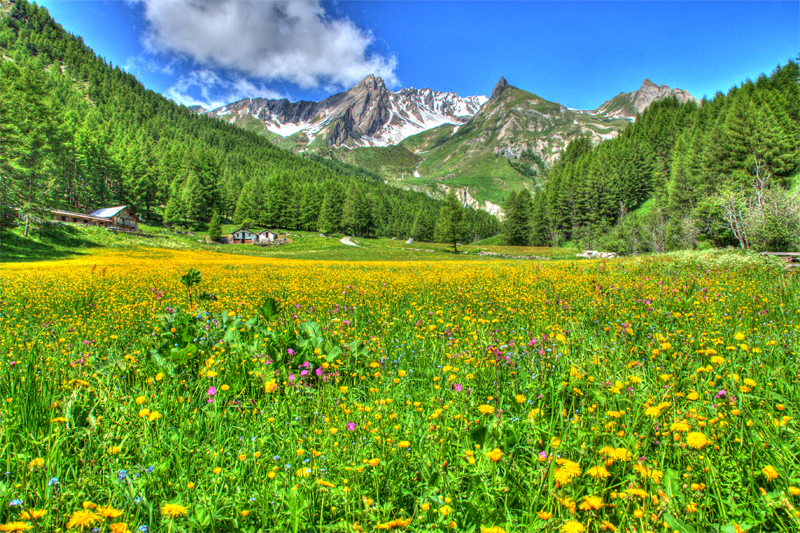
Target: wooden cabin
{"x": 71, "y": 217}
{"x": 119, "y": 218}
{"x": 266, "y": 237}
{"x": 122, "y": 217}
{"x": 243, "y": 236}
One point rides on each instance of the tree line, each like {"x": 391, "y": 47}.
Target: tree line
{"x": 78, "y": 133}
{"x": 683, "y": 175}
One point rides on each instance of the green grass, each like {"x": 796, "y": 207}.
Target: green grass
{"x": 67, "y": 240}
{"x": 652, "y": 394}
{"x": 392, "y": 162}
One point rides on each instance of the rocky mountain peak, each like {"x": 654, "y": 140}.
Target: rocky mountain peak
{"x": 370, "y": 83}
{"x": 498, "y": 89}
{"x": 628, "y": 105}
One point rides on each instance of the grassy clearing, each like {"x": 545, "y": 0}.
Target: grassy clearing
{"x": 61, "y": 241}
{"x": 639, "y": 395}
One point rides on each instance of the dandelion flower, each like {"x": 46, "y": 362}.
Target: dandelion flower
{"x": 641, "y": 493}
{"x": 493, "y": 529}
{"x": 173, "y": 510}
{"x": 16, "y": 526}
{"x": 119, "y": 527}
{"x": 83, "y": 519}
{"x": 392, "y": 524}
{"x": 621, "y": 454}
{"x": 598, "y": 471}
{"x": 591, "y": 503}
{"x": 697, "y": 440}
{"x": 770, "y": 472}
{"x": 486, "y": 409}
{"x": 566, "y": 471}
{"x": 36, "y": 464}
{"x": 655, "y": 411}
{"x": 495, "y": 455}
{"x": 109, "y": 512}
{"x": 679, "y": 426}
{"x": 572, "y": 527}
{"x": 35, "y": 514}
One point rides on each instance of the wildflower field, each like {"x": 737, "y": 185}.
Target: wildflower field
{"x": 183, "y": 391}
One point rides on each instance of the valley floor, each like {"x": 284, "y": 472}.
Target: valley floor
{"x": 155, "y": 389}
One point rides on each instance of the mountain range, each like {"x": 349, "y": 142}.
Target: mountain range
{"x": 431, "y": 141}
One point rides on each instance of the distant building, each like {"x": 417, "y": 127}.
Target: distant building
{"x": 266, "y": 237}
{"x": 242, "y": 236}
{"x": 121, "y": 215}
{"x": 119, "y": 218}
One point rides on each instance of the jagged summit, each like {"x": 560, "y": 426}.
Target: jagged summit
{"x": 498, "y": 89}
{"x": 628, "y": 105}
{"x": 366, "y": 115}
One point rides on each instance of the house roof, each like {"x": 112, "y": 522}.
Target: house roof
{"x": 74, "y": 214}
{"x": 108, "y": 212}
{"x": 266, "y": 231}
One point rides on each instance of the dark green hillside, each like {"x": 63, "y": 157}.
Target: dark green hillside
{"x": 79, "y": 132}
{"x": 686, "y": 175}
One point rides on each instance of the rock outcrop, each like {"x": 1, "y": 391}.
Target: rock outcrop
{"x": 628, "y": 105}
{"x": 498, "y": 89}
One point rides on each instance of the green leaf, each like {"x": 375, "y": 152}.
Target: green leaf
{"x": 677, "y": 525}
{"x": 191, "y": 278}
{"x": 478, "y": 435}
{"x": 333, "y": 354}
{"x": 269, "y": 309}
{"x": 670, "y": 483}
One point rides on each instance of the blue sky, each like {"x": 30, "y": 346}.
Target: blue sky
{"x": 577, "y": 53}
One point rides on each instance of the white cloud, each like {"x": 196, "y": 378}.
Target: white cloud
{"x": 295, "y": 41}
{"x": 215, "y": 91}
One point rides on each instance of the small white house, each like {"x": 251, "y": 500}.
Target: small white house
{"x": 266, "y": 237}
{"x": 243, "y": 236}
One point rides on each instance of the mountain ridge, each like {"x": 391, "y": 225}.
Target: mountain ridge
{"x": 482, "y": 147}
{"x": 368, "y": 114}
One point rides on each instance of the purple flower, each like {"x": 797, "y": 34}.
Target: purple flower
{"x": 291, "y": 377}
{"x": 351, "y": 426}
{"x": 457, "y": 387}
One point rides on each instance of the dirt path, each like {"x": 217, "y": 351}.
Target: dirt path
{"x": 346, "y": 240}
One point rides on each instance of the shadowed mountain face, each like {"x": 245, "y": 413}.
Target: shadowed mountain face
{"x": 366, "y": 115}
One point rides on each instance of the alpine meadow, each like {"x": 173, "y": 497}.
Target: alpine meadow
{"x": 386, "y": 309}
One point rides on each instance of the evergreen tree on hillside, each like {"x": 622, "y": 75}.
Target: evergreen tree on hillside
{"x": 214, "y": 227}
{"x": 81, "y": 133}
{"x": 451, "y": 227}
{"x": 518, "y": 225}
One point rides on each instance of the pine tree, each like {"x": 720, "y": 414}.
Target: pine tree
{"x": 214, "y": 227}
{"x": 451, "y": 227}
{"x": 517, "y": 228}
